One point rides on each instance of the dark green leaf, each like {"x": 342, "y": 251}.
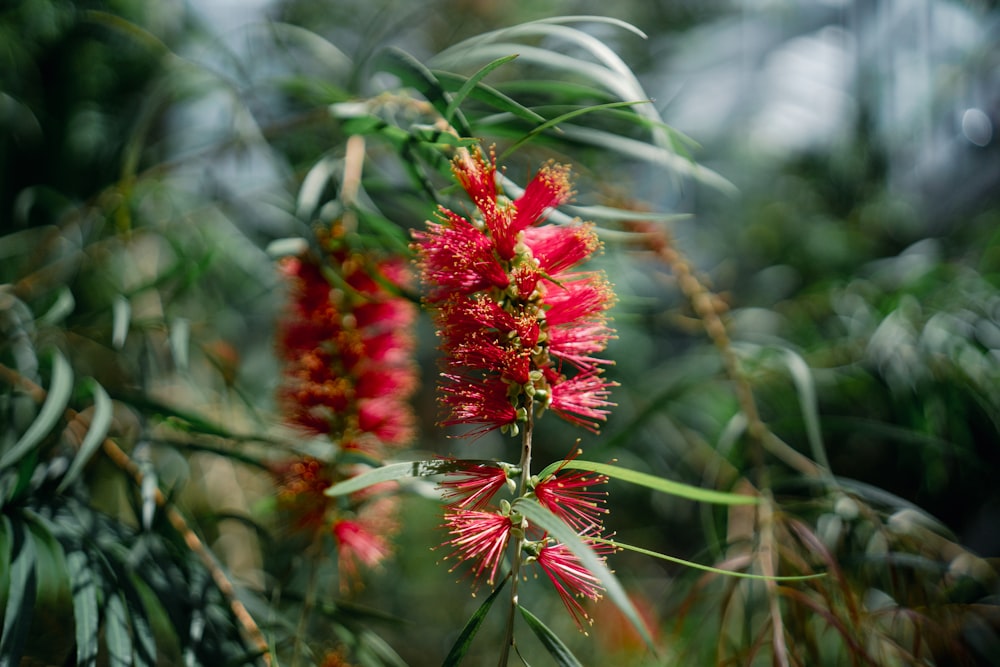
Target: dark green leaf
{"x": 464, "y": 641}
{"x": 60, "y": 388}
{"x": 542, "y": 518}
{"x": 563, "y": 656}
{"x": 144, "y": 639}
{"x": 21, "y": 593}
{"x": 100, "y": 422}
{"x": 85, "y": 614}
{"x": 653, "y": 482}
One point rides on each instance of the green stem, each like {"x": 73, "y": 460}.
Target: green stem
{"x": 508, "y": 641}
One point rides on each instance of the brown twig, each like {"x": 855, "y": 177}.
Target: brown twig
{"x": 121, "y": 459}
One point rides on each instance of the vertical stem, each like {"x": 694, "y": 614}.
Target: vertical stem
{"x": 519, "y": 539}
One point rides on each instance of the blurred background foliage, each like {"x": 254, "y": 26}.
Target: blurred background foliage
{"x": 841, "y": 178}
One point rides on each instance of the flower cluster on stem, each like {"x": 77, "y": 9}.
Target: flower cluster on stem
{"x": 521, "y": 330}
{"x": 348, "y": 374}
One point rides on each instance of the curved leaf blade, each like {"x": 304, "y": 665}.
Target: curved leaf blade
{"x": 542, "y": 518}
{"x": 556, "y": 648}
{"x": 100, "y": 424}
{"x": 60, "y": 387}
{"x": 464, "y": 641}
{"x": 653, "y": 482}
{"x": 472, "y": 82}
{"x": 554, "y": 122}
{"x": 116, "y": 632}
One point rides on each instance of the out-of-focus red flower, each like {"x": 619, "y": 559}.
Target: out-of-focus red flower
{"x": 358, "y": 545}
{"x": 519, "y": 326}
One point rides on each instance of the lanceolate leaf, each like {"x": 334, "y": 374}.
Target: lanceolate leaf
{"x": 60, "y": 387}
{"x": 464, "y": 641}
{"x": 20, "y": 595}
{"x": 100, "y": 422}
{"x": 542, "y": 518}
{"x": 708, "y": 568}
{"x": 490, "y": 96}
{"x": 563, "y": 656}
{"x": 396, "y": 471}
{"x": 463, "y": 92}
{"x": 654, "y": 482}
{"x": 85, "y": 615}
{"x": 554, "y": 122}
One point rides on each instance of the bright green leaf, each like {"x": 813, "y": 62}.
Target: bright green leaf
{"x": 464, "y": 641}
{"x": 100, "y": 423}
{"x": 554, "y": 122}
{"x": 653, "y": 482}
{"x": 563, "y": 656}
{"x": 60, "y": 388}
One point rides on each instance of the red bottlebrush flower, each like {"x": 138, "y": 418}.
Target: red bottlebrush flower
{"x": 479, "y": 538}
{"x": 507, "y": 309}
{"x": 569, "y": 496}
{"x": 347, "y": 346}
{"x": 571, "y": 579}
{"x": 581, "y": 400}
{"x": 357, "y": 546}
{"x": 300, "y": 487}
{"x": 473, "y": 485}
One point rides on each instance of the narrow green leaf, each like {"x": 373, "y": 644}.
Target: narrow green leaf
{"x": 147, "y": 490}
{"x": 611, "y": 213}
{"x": 116, "y": 632}
{"x": 100, "y": 423}
{"x": 542, "y": 518}
{"x": 121, "y": 316}
{"x": 20, "y": 595}
{"x": 563, "y": 656}
{"x": 464, "y": 641}
{"x": 60, "y": 387}
{"x": 85, "y": 614}
{"x": 490, "y": 96}
{"x": 472, "y": 82}
{"x": 564, "y": 117}
{"x": 396, "y": 471}
{"x": 708, "y": 568}
{"x": 653, "y": 482}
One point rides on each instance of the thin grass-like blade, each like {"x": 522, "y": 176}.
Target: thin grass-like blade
{"x": 653, "y": 482}
{"x": 458, "y": 97}
{"x": 550, "y": 640}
